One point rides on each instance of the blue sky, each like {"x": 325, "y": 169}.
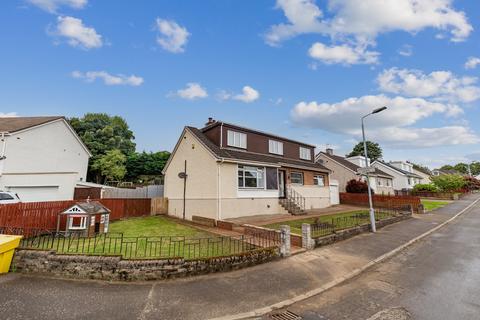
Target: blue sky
{"x": 304, "y": 69}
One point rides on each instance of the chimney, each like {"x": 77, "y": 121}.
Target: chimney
{"x": 210, "y": 121}
{"x": 329, "y": 151}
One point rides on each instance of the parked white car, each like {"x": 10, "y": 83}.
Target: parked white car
{"x": 8, "y": 197}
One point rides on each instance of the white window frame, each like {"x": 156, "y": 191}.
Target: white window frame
{"x": 260, "y": 177}
{"x": 236, "y": 139}
{"x": 296, "y": 183}
{"x": 275, "y": 147}
{"x": 83, "y": 223}
{"x": 315, "y": 180}
{"x": 305, "y": 153}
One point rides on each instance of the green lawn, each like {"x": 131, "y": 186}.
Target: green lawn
{"x": 329, "y": 223}
{"x": 143, "y": 238}
{"x": 430, "y": 205}
{"x": 155, "y": 226}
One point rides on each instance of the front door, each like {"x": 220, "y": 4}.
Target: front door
{"x": 281, "y": 183}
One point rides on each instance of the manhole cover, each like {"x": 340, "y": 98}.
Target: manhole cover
{"x": 286, "y": 315}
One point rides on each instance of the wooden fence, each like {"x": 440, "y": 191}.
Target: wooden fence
{"x": 43, "y": 215}
{"x": 380, "y": 201}
{"x": 159, "y": 206}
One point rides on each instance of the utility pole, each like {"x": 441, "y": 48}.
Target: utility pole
{"x": 365, "y": 153}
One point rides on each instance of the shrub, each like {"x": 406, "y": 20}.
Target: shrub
{"x": 449, "y": 182}
{"x": 357, "y": 186}
{"x": 430, "y": 187}
{"x": 471, "y": 183}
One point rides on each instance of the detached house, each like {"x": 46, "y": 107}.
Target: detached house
{"x": 225, "y": 171}
{"x": 402, "y": 171}
{"x": 41, "y": 158}
{"x": 345, "y": 169}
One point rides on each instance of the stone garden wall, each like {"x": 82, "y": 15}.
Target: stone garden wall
{"x": 115, "y": 268}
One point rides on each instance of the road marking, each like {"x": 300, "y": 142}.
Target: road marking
{"x": 148, "y": 304}
{"x": 285, "y": 303}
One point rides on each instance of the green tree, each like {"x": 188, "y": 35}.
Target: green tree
{"x": 421, "y": 168}
{"x": 373, "y": 149}
{"x": 146, "y": 164}
{"x": 111, "y": 165}
{"x": 449, "y": 182}
{"x": 102, "y": 133}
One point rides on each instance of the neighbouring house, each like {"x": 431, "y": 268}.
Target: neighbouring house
{"x": 226, "y": 171}
{"x": 41, "y": 159}
{"x": 402, "y": 171}
{"x": 345, "y": 169}
{"x": 426, "y": 178}
{"x": 441, "y": 172}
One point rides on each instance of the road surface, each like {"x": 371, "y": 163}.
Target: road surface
{"x": 436, "y": 279}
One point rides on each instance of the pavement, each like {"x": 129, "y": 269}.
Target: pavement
{"x": 436, "y": 279}
{"x": 210, "y": 296}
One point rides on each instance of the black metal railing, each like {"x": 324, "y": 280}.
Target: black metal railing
{"x": 324, "y": 227}
{"x": 156, "y": 247}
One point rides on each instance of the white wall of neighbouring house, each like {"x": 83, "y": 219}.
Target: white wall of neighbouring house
{"x": 44, "y": 163}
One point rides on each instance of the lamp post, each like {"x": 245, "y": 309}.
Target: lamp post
{"x": 372, "y": 212}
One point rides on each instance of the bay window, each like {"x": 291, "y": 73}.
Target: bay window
{"x": 251, "y": 177}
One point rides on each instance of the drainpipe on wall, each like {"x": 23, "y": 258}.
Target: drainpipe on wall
{"x": 219, "y": 192}
{"x": 221, "y": 136}
{"x": 3, "y": 136}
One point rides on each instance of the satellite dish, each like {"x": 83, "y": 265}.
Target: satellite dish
{"x": 182, "y": 175}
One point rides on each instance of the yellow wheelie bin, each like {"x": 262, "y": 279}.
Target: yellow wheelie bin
{"x": 7, "y": 248}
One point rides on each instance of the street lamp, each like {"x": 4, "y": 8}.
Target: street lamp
{"x": 372, "y": 212}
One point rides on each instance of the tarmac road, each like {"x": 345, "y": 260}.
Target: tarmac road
{"x": 436, "y": 279}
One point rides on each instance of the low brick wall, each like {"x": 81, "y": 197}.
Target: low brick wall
{"x": 115, "y": 268}
{"x": 348, "y": 233}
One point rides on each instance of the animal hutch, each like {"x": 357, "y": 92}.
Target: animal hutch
{"x": 85, "y": 218}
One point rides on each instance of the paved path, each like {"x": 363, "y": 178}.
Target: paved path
{"x": 436, "y": 279}
{"x": 24, "y": 297}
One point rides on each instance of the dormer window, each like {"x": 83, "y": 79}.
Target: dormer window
{"x": 237, "y": 139}
{"x": 305, "y": 153}
{"x": 275, "y": 147}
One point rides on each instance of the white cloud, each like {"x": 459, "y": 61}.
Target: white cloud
{"x": 406, "y": 50}
{"x": 365, "y": 19}
{"x": 472, "y": 63}
{"x": 354, "y": 24}
{"x": 172, "y": 37}
{"x": 425, "y": 137}
{"x": 77, "y": 33}
{"x": 441, "y": 85}
{"x": 53, "y": 5}
{"x": 303, "y": 17}
{"x": 193, "y": 91}
{"x": 109, "y": 79}
{"x": 343, "y": 54}
{"x": 8, "y": 114}
{"x": 395, "y": 126}
{"x": 248, "y": 95}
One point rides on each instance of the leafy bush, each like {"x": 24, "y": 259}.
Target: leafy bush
{"x": 449, "y": 182}
{"x": 472, "y": 183}
{"x": 357, "y": 186}
{"x": 430, "y": 187}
